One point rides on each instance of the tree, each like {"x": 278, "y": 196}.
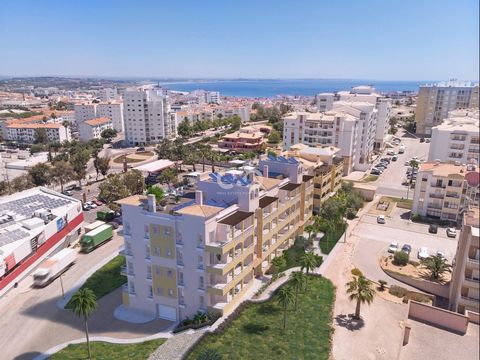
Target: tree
{"x": 285, "y": 297}
{"x": 184, "y": 128}
{"x": 66, "y": 124}
{"x": 84, "y": 304}
{"x": 400, "y": 258}
{"x": 108, "y": 134}
{"x": 308, "y": 261}
{"x": 278, "y": 264}
{"x": 310, "y": 229}
{"x": 102, "y": 165}
{"x": 437, "y": 266}
{"x": 167, "y": 177}
{"x": 79, "y": 159}
{"x": 157, "y": 191}
{"x": 235, "y": 122}
{"x": 361, "y": 290}
{"x": 22, "y": 182}
{"x": 113, "y": 189}
{"x": 61, "y": 173}
{"x": 209, "y": 354}
{"x": 298, "y": 280}
{"x": 382, "y": 283}
{"x": 40, "y": 136}
{"x": 274, "y": 137}
{"x": 134, "y": 182}
{"x": 40, "y": 174}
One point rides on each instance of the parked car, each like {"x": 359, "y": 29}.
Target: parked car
{"x": 91, "y": 204}
{"x": 401, "y": 149}
{"x": 433, "y": 229}
{"x": 423, "y": 253}
{"x": 390, "y": 152}
{"x": 427, "y": 140}
{"x": 381, "y": 219}
{"x": 393, "y": 247}
{"x": 114, "y": 224}
{"x": 380, "y": 166}
{"x": 394, "y": 158}
{"x": 375, "y": 171}
{"x": 441, "y": 254}
{"x": 451, "y": 232}
{"x": 87, "y": 207}
{"x": 422, "y": 140}
{"x": 97, "y": 202}
{"x": 141, "y": 148}
{"x": 385, "y": 159}
{"x": 406, "y": 163}
{"x": 68, "y": 192}
{"x": 407, "y": 249}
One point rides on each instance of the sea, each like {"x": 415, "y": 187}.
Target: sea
{"x": 272, "y": 88}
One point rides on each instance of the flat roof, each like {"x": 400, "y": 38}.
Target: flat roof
{"x": 236, "y": 218}
{"x": 289, "y": 187}
{"x": 154, "y": 166}
{"x": 266, "y": 200}
{"x": 307, "y": 178}
{"x": 134, "y": 200}
{"x": 200, "y": 210}
{"x": 98, "y": 121}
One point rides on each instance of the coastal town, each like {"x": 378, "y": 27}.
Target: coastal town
{"x": 215, "y": 218}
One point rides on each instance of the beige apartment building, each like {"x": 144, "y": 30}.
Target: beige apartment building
{"x": 203, "y": 251}
{"x": 435, "y": 101}
{"x": 464, "y": 287}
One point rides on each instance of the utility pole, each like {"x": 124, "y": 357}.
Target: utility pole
{"x": 61, "y": 284}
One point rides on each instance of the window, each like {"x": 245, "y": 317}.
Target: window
{"x": 169, "y": 252}
{"x": 199, "y": 240}
{"x": 169, "y": 273}
{"x": 156, "y": 251}
{"x": 180, "y": 278}
{"x": 150, "y": 292}
{"x": 147, "y": 251}
{"x": 201, "y": 282}
{"x": 149, "y": 272}
{"x": 166, "y": 231}
{"x": 132, "y": 287}
{"x": 159, "y": 291}
{"x": 156, "y": 229}
{"x": 170, "y": 292}
{"x": 201, "y": 301}
{"x": 200, "y": 262}
{"x": 158, "y": 270}
{"x": 127, "y": 228}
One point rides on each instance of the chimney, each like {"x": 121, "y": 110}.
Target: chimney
{"x": 152, "y": 203}
{"x": 198, "y": 197}
{"x": 265, "y": 171}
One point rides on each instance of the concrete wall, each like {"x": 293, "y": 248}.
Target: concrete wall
{"x": 424, "y": 285}
{"x": 438, "y": 317}
{"x": 473, "y": 317}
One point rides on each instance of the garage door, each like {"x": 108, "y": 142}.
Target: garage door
{"x": 167, "y": 312}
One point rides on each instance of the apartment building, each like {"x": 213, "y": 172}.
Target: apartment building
{"x": 440, "y": 190}
{"x": 84, "y": 111}
{"x": 112, "y": 110}
{"x": 27, "y": 133}
{"x": 457, "y": 138}
{"x": 435, "y": 101}
{"x": 363, "y": 94}
{"x": 247, "y": 139}
{"x": 92, "y": 129}
{"x": 331, "y": 128}
{"x": 464, "y": 286}
{"x": 325, "y": 165}
{"x": 203, "y": 252}
{"x": 147, "y": 117}
{"x": 108, "y": 94}
{"x": 212, "y": 97}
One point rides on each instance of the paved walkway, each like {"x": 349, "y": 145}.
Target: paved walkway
{"x": 176, "y": 346}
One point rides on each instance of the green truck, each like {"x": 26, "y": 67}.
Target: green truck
{"x": 105, "y": 215}
{"x": 96, "y": 237}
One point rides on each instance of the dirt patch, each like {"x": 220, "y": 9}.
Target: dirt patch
{"x": 134, "y": 157}
{"x": 383, "y": 207}
{"x": 413, "y": 269}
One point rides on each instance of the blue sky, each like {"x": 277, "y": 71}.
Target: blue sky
{"x": 367, "y": 39}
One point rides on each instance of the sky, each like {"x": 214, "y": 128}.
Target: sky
{"x": 336, "y": 39}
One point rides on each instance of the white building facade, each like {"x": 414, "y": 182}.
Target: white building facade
{"x": 148, "y": 118}
{"x": 93, "y": 128}
{"x": 27, "y": 133}
{"x": 114, "y": 111}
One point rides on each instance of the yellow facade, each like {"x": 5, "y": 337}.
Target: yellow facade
{"x": 162, "y": 242}
{"x": 165, "y": 280}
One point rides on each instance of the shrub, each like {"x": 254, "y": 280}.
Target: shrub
{"x": 415, "y": 296}
{"x": 400, "y": 258}
{"x": 382, "y": 283}
{"x": 209, "y": 354}
{"x": 356, "y": 272}
{"x": 397, "y": 291}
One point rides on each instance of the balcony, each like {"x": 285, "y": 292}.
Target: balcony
{"x": 438, "y": 186}
{"x": 473, "y": 262}
{"x": 123, "y": 270}
{"x": 436, "y": 196}
{"x": 472, "y": 282}
{"x": 469, "y": 301}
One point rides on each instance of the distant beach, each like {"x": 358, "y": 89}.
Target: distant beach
{"x": 272, "y": 88}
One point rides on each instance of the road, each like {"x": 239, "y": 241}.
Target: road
{"x": 30, "y": 320}
{"x": 390, "y": 181}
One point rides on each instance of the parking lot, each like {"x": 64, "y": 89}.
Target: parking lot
{"x": 375, "y": 238}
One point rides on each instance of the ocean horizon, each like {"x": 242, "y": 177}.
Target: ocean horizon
{"x": 300, "y": 87}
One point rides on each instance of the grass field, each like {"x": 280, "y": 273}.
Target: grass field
{"x": 144, "y": 154}
{"x": 107, "y": 351}
{"x": 106, "y": 279}
{"x": 330, "y": 239}
{"x": 257, "y": 332}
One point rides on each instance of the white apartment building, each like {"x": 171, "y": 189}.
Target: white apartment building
{"x": 212, "y": 97}
{"x": 85, "y": 111}
{"x": 26, "y": 133}
{"x": 203, "y": 252}
{"x": 332, "y": 128}
{"x": 457, "y": 138}
{"x": 442, "y": 190}
{"x": 435, "y": 101}
{"x": 112, "y": 110}
{"x": 108, "y": 94}
{"x": 147, "y": 117}
{"x": 92, "y": 129}
{"x": 364, "y": 94}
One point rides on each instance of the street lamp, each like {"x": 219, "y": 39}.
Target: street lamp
{"x": 61, "y": 284}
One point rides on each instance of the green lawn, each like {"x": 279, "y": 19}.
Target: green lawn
{"x": 257, "y": 332}
{"x": 401, "y": 203}
{"x": 106, "y": 279}
{"x": 370, "y": 178}
{"x": 329, "y": 240}
{"x": 107, "y": 351}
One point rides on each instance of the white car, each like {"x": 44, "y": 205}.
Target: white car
{"x": 441, "y": 254}
{"x": 390, "y": 152}
{"x": 91, "y": 205}
{"x": 451, "y": 232}
{"x": 423, "y": 253}
{"x": 393, "y": 247}
{"x": 381, "y": 219}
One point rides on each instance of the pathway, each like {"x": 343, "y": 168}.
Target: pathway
{"x": 176, "y": 346}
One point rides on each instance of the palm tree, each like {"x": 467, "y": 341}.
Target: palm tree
{"x": 61, "y": 173}
{"x": 308, "y": 262}
{"x": 437, "y": 266}
{"x": 84, "y": 303}
{"x": 298, "y": 280}
{"x": 361, "y": 290}
{"x": 414, "y": 165}
{"x": 284, "y": 298}
{"x": 66, "y": 124}
{"x": 310, "y": 229}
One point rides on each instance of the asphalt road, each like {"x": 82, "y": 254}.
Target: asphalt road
{"x": 390, "y": 181}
